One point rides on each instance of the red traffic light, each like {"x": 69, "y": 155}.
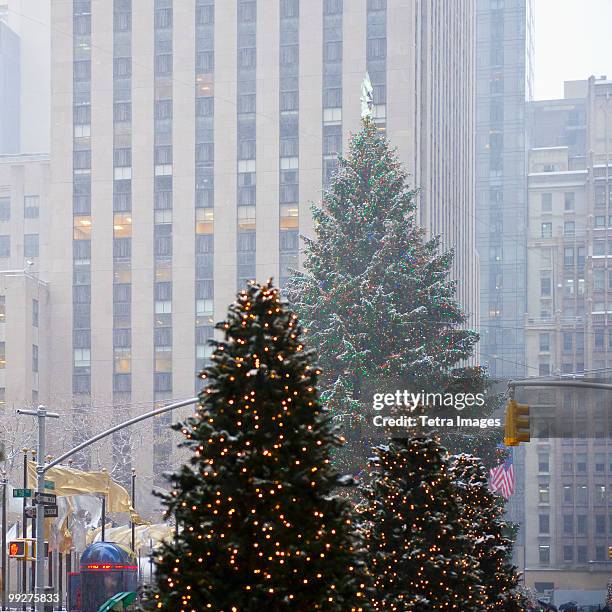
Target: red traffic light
{"x": 17, "y": 549}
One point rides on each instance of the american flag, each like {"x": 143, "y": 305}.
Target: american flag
{"x": 501, "y": 478}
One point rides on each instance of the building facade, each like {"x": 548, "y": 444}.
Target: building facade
{"x": 10, "y": 60}
{"x": 504, "y": 76}
{"x": 568, "y": 497}
{"x": 24, "y": 297}
{"x": 188, "y": 139}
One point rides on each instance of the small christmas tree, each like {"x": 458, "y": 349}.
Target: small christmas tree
{"x": 258, "y": 526}
{"x": 419, "y": 554}
{"x": 482, "y": 516}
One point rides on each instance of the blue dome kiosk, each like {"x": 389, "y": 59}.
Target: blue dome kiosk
{"x": 106, "y": 569}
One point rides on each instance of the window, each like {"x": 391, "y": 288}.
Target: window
{"x": 544, "y": 342}
{"x": 599, "y": 247}
{"x": 600, "y": 221}
{"x": 568, "y": 524}
{"x": 205, "y": 220}
{"x": 581, "y": 553}
{"x": 568, "y": 552}
{"x": 543, "y": 463}
{"x": 34, "y": 358}
{"x": 600, "y": 524}
{"x": 2, "y": 355}
{"x": 82, "y": 358}
{"x": 599, "y": 279}
{"x": 600, "y": 494}
{"x": 568, "y": 256}
{"x": 544, "y": 554}
{"x": 545, "y": 286}
{"x": 82, "y": 227}
{"x": 567, "y": 494}
{"x": 30, "y": 245}
{"x": 5, "y": 209}
{"x": 546, "y": 230}
{"x": 246, "y": 218}
{"x": 163, "y": 307}
{"x": 163, "y": 64}
{"x": 569, "y": 228}
{"x": 122, "y": 225}
{"x": 5, "y": 246}
{"x": 581, "y": 494}
{"x": 546, "y": 202}
{"x": 31, "y": 206}
{"x": 569, "y": 198}
{"x": 581, "y": 524}
{"x": 544, "y": 523}
{"x": 2, "y": 309}
{"x": 544, "y": 493}
{"x": 581, "y": 463}
{"x": 289, "y": 216}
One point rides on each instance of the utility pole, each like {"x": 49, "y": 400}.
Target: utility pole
{"x": 4, "y": 557}
{"x": 132, "y": 524}
{"x": 42, "y": 416}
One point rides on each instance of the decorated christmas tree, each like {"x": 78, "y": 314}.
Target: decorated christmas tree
{"x": 259, "y": 527}
{"x": 420, "y": 554}
{"x": 375, "y": 294}
{"x": 482, "y": 518}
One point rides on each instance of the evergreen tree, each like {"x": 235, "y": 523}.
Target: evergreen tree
{"x": 259, "y": 528}
{"x": 420, "y": 555}
{"x": 482, "y": 515}
{"x": 375, "y": 294}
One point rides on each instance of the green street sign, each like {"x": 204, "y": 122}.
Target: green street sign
{"x": 22, "y": 492}
{"x": 50, "y": 485}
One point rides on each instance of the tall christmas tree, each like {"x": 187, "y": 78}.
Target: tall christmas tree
{"x": 375, "y": 294}
{"x": 482, "y": 518}
{"x": 420, "y": 555}
{"x": 258, "y": 525}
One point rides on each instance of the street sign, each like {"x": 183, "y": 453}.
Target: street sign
{"x": 49, "y": 485}
{"x": 48, "y": 499}
{"x": 22, "y": 492}
{"x": 49, "y": 511}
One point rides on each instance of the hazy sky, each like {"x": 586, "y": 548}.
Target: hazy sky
{"x": 573, "y": 39}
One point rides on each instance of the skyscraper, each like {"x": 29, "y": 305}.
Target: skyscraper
{"x": 504, "y": 75}
{"x": 188, "y": 139}
{"x": 568, "y": 497}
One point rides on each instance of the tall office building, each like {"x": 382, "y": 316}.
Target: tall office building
{"x": 10, "y": 87}
{"x": 568, "y": 494}
{"x": 504, "y": 76}
{"x": 29, "y": 91}
{"x": 188, "y": 139}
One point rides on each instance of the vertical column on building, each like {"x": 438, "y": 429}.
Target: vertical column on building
{"x": 204, "y": 181}
{"x": 122, "y": 222}
{"x": 289, "y": 188}
{"x": 246, "y": 140}
{"x": 163, "y": 173}
{"x": 82, "y": 222}
{"x": 376, "y": 57}
{"x": 332, "y": 87}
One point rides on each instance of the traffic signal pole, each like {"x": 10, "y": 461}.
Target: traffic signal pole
{"x": 41, "y": 468}
{"x": 517, "y": 415}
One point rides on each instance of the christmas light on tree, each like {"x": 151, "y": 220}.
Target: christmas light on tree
{"x": 420, "y": 554}
{"x": 258, "y": 524}
{"x": 482, "y": 519}
{"x": 376, "y": 297}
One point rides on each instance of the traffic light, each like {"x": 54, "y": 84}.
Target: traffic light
{"x": 610, "y": 552}
{"x": 517, "y": 424}
{"x": 17, "y": 549}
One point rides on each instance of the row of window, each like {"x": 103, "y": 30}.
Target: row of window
{"x": 31, "y": 207}
{"x": 3, "y": 356}
{"x": 581, "y": 553}
{"x": 577, "y": 494}
{"x": 30, "y": 245}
